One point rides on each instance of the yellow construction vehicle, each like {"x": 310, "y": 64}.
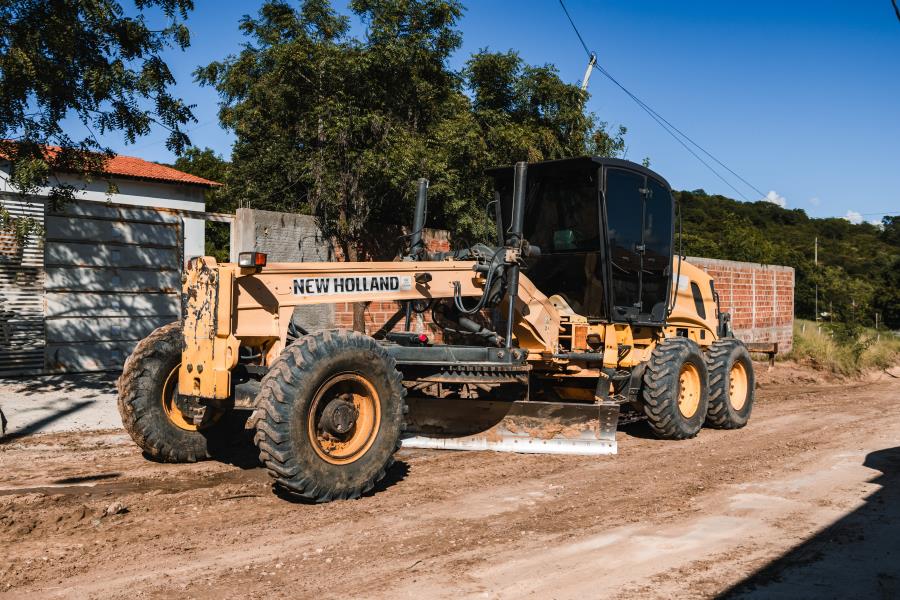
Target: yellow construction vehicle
{"x": 580, "y": 315}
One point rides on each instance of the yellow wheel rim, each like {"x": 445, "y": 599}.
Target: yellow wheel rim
{"x": 344, "y": 418}
{"x": 738, "y": 386}
{"x": 171, "y": 409}
{"x": 689, "y": 390}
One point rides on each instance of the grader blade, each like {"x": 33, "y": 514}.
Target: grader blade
{"x": 527, "y": 427}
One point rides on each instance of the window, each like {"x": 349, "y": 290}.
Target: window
{"x": 561, "y": 213}
{"x": 624, "y": 215}
{"x": 657, "y": 259}
{"x": 562, "y": 218}
{"x": 698, "y": 300}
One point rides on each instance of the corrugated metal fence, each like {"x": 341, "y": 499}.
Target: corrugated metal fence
{"x": 21, "y": 293}
{"x": 104, "y": 277}
{"x": 113, "y": 276}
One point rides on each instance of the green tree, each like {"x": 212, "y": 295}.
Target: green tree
{"x": 209, "y": 165}
{"x": 85, "y": 59}
{"x": 335, "y": 125}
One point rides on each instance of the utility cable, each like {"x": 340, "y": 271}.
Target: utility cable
{"x": 662, "y": 121}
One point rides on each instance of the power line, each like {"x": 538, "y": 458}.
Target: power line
{"x": 580, "y": 39}
{"x": 660, "y": 122}
{"x": 663, "y": 122}
{"x": 896, "y": 10}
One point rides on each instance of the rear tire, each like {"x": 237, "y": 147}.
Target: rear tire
{"x": 329, "y": 416}
{"x": 148, "y": 380}
{"x": 731, "y": 384}
{"x": 675, "y": 391}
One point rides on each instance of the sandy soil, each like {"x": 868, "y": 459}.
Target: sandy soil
{"x": 804, "y": 502}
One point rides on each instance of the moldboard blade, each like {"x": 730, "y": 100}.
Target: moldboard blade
{"x": 528, "y": 427}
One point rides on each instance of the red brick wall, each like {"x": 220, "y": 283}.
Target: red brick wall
{"x": 378, "y": 312}
{"x": 759, "y": 297}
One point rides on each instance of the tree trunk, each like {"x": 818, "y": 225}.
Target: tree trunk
{"x": 359, "y": 308}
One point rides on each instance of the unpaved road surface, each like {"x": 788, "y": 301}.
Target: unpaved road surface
{"x": 803, "y": 503}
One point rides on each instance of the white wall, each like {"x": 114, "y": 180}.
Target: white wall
{"x": 139, "y": 193}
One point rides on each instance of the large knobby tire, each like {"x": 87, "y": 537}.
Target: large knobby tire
{"x": 329, "y": 417}
{"x": 731, "y": 384}
{"x": 675, "y": 391}
{"x": 146, "y": 403}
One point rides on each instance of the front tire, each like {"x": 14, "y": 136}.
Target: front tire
{"x": 147, "y": 389}
{"x": 329, "y": 416}
{"x": 731, "y": 384}
{"x": 675, "y": 392}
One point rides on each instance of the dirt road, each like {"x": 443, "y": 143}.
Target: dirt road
{"x": 803, "y": 503}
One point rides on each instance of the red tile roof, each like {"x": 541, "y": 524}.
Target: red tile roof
{"x": 131, "y": 166}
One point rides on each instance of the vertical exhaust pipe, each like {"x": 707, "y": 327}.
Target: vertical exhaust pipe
{"x": 417, "y": 241}
{"x": 520, "y": 183}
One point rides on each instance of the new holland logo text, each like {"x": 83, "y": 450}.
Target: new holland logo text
{"x": 361, "y": 284}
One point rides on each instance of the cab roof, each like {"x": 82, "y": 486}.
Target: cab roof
{"x": 564, "y": 164}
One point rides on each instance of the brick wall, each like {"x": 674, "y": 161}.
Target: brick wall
{"x": 378, "y": 312}
{"x": 759, "y": 297}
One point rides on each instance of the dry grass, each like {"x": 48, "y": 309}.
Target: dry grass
{"x": 817, "y": 346}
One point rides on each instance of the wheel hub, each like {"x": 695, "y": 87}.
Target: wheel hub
{"x": 339, "y": 416}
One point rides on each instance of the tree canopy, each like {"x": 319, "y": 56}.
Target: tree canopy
{"x": 89, "y": 60}
{"x": 341, "y": 126}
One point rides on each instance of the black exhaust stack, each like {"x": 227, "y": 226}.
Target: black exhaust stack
{"x": 417, "y": 242}
{"x": 520, "y": 183}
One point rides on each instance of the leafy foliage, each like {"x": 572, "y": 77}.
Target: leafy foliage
{"x": 87, "y": 59}
{"x": 340, "y": 126}
{"x": 209, "y": 165}
{"x": 859, "y": 265}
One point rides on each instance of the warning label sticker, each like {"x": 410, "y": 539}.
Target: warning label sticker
{"x": 359, "y": 284}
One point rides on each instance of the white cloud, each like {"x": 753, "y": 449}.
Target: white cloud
{"x": 815, "y": 201}
{"x": 775, "y": 198}
{"x": 854, "y": 217}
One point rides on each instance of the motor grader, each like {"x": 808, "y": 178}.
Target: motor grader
{"x": 577, "y": 318}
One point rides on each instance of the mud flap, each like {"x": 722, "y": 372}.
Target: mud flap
{"x": 528, "y": 427}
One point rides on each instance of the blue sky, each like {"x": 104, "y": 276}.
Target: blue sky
{"x": 801, "y": 98}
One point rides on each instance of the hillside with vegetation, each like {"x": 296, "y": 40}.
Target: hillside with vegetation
{"x": 858, "y": 273}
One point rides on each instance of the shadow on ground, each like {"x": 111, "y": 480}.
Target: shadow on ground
{"x": 39, "y": 424}
{"x": 858, "y": 556}
{"x": 102, "y": 383}
{"x": 394, "y": 475}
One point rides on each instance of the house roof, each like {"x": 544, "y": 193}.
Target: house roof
{"x": 138, "y": 168}
{"x": 130, "y": 166}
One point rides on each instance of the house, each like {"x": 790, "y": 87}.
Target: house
{"x": 106, "y": 272}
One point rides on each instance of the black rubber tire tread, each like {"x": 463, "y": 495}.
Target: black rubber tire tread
{"x": 720, "y": 358}
{"x": 283, "y": 402}
{"x": 660, "y": 391}
{"x": 140, "y": 389}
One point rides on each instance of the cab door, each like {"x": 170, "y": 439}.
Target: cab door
{"x": 638, "y": 223}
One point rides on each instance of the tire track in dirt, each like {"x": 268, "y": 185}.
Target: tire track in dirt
{"x": 454, "y": 523}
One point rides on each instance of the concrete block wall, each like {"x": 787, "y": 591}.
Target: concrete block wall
{"x": 286, "y": 237}
{"x": 759, "y": 297}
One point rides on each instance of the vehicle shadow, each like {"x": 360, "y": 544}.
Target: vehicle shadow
{"x": 394, "y": 475}
{"x": 857, "y": 556}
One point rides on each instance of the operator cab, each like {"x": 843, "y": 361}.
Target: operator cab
{"x": 605, "y": 228}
